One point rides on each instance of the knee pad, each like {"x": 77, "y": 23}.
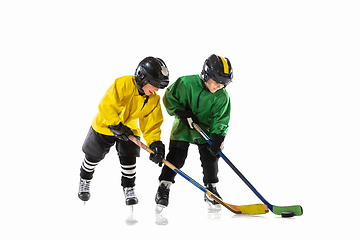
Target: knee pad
{"x": 177, "y": 157}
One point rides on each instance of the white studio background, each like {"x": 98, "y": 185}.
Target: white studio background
{"x": 294, "y": 131}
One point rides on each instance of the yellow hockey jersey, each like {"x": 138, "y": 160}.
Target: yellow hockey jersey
{"x": 123, "y": 103}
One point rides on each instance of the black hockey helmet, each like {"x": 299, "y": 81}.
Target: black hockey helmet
{"x": 218, "y": 69}
{"x": 152, "y": 70}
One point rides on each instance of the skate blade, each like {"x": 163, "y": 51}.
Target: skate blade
{"x": 159, "y": 208}
{"x": 131, "y": 220}
{"x": 213, "y": 208}
{"x": 160, "y": 219}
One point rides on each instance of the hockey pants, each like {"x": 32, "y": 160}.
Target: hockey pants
{"x": 97, "y": 145}
{"x": 177, "y": 155}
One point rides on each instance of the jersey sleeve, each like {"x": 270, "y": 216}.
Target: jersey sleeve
{"x": 108, "y": 105}
{"x": 113, "y": 102}
{"x": 175, "y": 97}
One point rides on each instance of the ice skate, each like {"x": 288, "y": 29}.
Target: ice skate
{"x": 162, "y": 196}
{"x": 212, "y": 204}
{"x": 84, "y": 190}
{"x": 130, "y": 196}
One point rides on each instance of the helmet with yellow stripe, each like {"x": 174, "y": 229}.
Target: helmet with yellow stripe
{"x": 218, "y": 69}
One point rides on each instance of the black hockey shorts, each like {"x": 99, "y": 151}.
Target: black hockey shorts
{"x": 178, "y": 151}
{"x": 97, "y": 145}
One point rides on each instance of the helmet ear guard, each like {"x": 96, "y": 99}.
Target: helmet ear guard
{"x": 141, "y": 76}
{"x": 204, "y": 73}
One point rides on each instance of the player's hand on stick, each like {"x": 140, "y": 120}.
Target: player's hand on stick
{"x": 187, "y": 117}
{"x": 217, "y": 144}
{"x": 121, "y": 131}
{"x": 159, "y": 152}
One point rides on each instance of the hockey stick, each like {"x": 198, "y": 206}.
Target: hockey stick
{"x": 287, "y": 211}
{"x": 252, "y": 209}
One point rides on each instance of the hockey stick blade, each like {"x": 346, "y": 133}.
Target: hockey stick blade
{"x": 252, "y": 209}
{"x": 296, "y": 209}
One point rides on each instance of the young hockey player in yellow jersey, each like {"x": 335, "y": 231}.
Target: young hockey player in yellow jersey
{"x": 131, "y": 101}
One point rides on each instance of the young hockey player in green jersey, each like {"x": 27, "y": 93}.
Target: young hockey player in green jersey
{"x": 203, "y": 100}
{"x": 131, "y": 99}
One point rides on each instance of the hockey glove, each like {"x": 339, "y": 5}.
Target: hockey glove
{"x": 187, "y": 117}
{"x": 217, "y": 144}
{"x": 121, "y": 131}
{"x": 159, "y": 152}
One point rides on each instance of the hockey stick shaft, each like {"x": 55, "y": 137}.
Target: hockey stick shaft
{"x": 297, "y": 209}
{"x": 243, "y": 209}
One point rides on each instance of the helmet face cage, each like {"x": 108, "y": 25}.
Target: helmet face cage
{"x": 154, "y": 71}
{"x": 218, "y": 69}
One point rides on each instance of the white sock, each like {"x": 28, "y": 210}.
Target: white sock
{"x": 166, "y": 183}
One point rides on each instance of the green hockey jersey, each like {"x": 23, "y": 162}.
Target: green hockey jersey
{"x": 212, "y": 109}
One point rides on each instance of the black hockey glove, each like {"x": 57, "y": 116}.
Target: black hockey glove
{"x": 159, "y": 152}
{"x": 187, "y": 117}
{"x": 121, "y": 131}
{"x": 217, "y": 144}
